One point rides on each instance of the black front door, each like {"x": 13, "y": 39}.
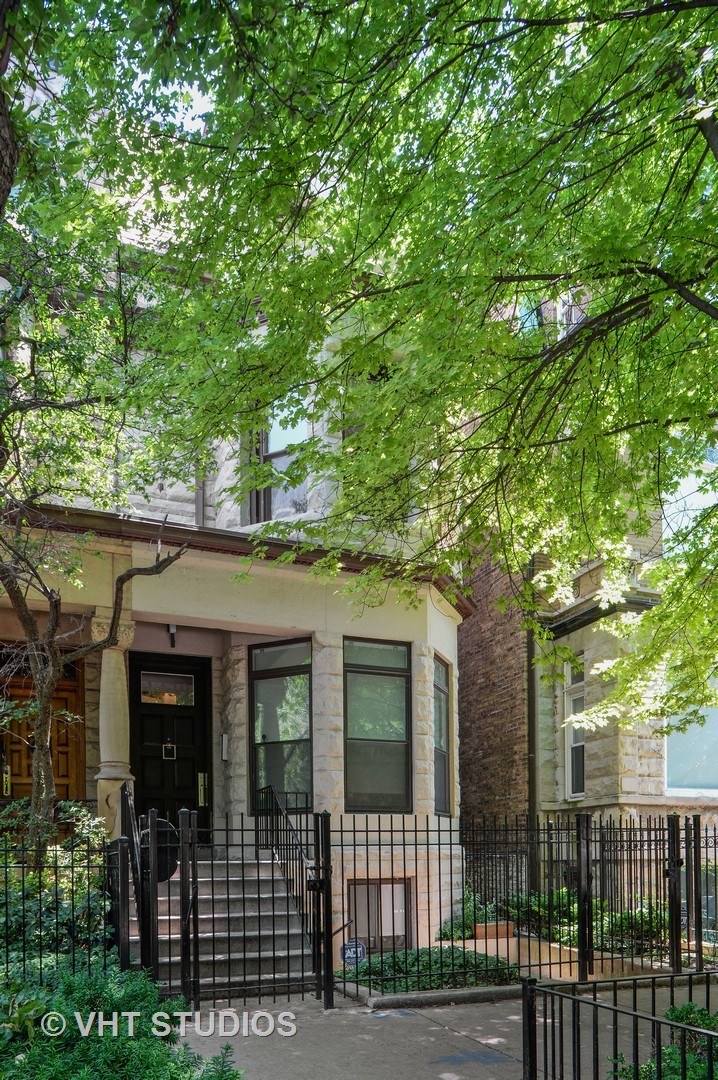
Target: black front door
{"x": 170, "y": 734}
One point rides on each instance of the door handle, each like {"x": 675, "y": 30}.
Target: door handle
{"x": 202, "y": 786}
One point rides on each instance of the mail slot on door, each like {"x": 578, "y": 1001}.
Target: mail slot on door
{"x": 169, "y": 751}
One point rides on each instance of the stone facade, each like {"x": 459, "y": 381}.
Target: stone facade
{"x": 234, "y": 719}
{"x": 328, "y": 734}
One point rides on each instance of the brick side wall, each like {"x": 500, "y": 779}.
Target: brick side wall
{"x": 493, "y": 751}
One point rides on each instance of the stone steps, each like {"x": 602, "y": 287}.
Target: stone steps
{"x": 249, "y": 932}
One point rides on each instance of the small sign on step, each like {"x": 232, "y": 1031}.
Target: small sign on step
{"x": 353, "y": 952}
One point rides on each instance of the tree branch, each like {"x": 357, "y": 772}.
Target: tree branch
{"x": 110, "y": 638}
{"x": 683, "y": 291}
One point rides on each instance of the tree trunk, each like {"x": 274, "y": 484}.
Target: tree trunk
{"x": 8, "y": 152}
{"x": 43, "y": 781}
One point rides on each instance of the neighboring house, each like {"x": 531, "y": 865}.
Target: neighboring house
{"x": 517, "y": 753}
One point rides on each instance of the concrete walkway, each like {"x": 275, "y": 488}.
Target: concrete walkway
{"x": 453, "y": 1042}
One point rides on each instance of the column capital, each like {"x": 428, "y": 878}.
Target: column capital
{"x": 100, "y": 627}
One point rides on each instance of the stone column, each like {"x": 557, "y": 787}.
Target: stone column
{"x": 328, "y": 721}
{"x": 114, "y": 723}
{"x": 234, "y": 724}
{"x": 422, "y": 657}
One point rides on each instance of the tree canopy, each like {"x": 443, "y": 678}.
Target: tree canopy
{"x": 484, "y": 242}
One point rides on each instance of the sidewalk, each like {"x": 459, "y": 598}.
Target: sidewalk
{"x": 456, "y": 1042}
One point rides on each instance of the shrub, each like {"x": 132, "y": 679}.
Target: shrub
{"x": 59, "y": 902}
{"x": 554, "y": 917}
{"x": 460, "y": 925}
{"x": 95, "y": 1057}
{"x": 636, "y": 931}
{"x": 696, "y": 1049}
{"x": 437, "y": 968}
{"x": 20, "y": 1012}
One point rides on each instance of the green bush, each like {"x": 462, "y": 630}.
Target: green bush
{"x": 635, "y": 931}
{"x": 460, "y": 925}
{"x": 551, "y": 916}
{"x": 696, "y": 1061}
{"x": 71, "y": 1056}
{"x": 554, "y": 917}
{"x": 440, "y": 967}
{"x": 20, "y": 1012}
{"x": 58, "y": 902}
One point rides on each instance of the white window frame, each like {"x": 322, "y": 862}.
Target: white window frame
{"x": 574, "y": 737}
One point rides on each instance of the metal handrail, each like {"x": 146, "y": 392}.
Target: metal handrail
{"x": 272, "y": 796}
{"x": 130, "y": 829}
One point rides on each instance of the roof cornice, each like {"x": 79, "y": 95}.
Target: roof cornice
{"x": 227, "y": 542}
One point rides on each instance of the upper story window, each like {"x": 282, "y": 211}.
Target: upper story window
{"x": 575, "y": 702}
{"x": 692, "y": 758}
{"x": 441, "y": 737}
{"x": 377, "y": 704}
{"x": 274, "y": 502}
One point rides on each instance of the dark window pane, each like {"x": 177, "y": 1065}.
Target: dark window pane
{"x": 378, "y": 654}
{"x": 376, "y": 706}
{"x": 281, "y": 708}
{"x": 577, "y": 759}
{"x": 284, "y": 766}
{"x": 162, "y": 688}
{"x": 576, "y": 674}
{"x": 271, "y": 657}
{"x": 377, "y": 776}
{"x": 441, "y": 782}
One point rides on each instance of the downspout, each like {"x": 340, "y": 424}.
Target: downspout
{"x": 199, "y": 500}
{"x": 532, "y": 746}
{"x": 532, "y": 725}
{"x": 531, "y": 719}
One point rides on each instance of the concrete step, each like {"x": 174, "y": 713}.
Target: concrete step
{"x": 271, "y": 987}
{"x": 239, "y": 967}
{"x": 232, "y": 905}
{"x": 221, "y": 870}
{"x": 280, "y": 941}
{"x": 241, "y": 922}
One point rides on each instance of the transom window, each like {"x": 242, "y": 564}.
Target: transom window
{"x": 377, "y": 696}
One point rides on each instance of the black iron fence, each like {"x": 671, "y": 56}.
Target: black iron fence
{"x": 289, "y": 901}
{"x": 227, "y": 913}
{"x": 433, "y": 904}
{"x": 658, "y": 1027}
{"x": 54, "y": 906}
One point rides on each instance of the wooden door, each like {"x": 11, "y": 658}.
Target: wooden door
{"x": 67, "y": 743}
